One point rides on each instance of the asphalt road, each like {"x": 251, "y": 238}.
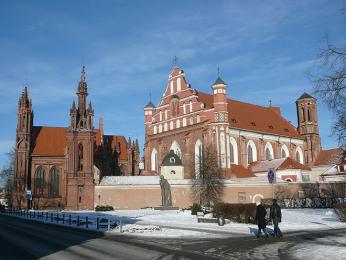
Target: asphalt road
{"x": 25, "y": 239}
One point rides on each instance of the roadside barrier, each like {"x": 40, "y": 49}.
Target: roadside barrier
{"x": 101, "y": 221}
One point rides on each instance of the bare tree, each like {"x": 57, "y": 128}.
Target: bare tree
{"x": 330, "y": 85}
{"x": 208, "y": 185}
{"x": 7, "y": 177}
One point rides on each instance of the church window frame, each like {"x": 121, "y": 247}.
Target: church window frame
{"x": 284, "y": 151}
{"x": 233, "y": 150}
{"x": 54, "y": 182}
{"x": 178, "y": 123}
{"x": 154, "y": 160}
{"x": 251, "y": 152}
{"x": 268, "y": 151}
{"x": 198, "y": 158}
{"x": 299, "y": 155}
{"x": 40, "y": 180}
{"x": 184, "y": 121}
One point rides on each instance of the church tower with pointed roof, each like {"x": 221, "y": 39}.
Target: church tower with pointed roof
{"x": 308, "y": 126}
{"x": 220, "y": 122}
{"x": 80, "y": 149}
{"x": 22, "y": 150}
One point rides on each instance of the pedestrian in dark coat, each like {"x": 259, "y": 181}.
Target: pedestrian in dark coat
{"x": 275, "y": 216}
{"x": 261, "y": 219}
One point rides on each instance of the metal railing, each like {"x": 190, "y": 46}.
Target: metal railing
{"x": 101, "y": 222}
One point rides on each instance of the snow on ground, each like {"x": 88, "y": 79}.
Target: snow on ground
{"x": 181, "y": 223}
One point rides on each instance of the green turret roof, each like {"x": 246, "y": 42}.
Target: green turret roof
{"x": 219, "y": 81}
{"x": 150, "y": 104}
{"x": 305, "y": 95}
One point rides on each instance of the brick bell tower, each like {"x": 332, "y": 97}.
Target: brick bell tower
{"x": 220, "y": 126}
{"x": 308, "y": 126}
{"x": 80, "y": 152}
{"x": 22, "y": 165}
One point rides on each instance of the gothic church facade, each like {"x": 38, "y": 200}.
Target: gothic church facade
{"x": 62, "y": 165}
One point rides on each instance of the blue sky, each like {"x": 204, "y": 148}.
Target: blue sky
{"x": 265, "y": 50}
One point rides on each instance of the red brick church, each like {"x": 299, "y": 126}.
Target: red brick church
{"x": 241, "y": 133}
{"x": 61, "y": 165}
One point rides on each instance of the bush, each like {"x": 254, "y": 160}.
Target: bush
{"x": 238, "y": 212}
{"x": 340, "y": 210}
{"x": 104, "y": 208}
{"x": 195, "y": 208}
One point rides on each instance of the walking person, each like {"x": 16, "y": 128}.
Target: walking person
{"x": 261, "y": 219}
{"x": 275, "y": 216}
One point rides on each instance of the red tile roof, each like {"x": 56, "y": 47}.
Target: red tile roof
{"x": 277, "y": 164}
{"x": 238, "y": 171}
{"x": 49, "y": 141}
{"x": 330, "y": 157}
{"x": 254, "y": 118}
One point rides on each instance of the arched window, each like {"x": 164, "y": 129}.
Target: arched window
{"x": 178, "y": 123}
{"x": 191, "y": 120}
{"x": 251, "y": 152}
{"x": 165, "y": 127}
{"x": 198, "y": 118}
{"x": 171, "y": 125}
{"x": 80, "y": 157}
{"x": 54, "y": 182}
{"x": 184, "y": 121}
{"x": 160, "y": 115}
{"x": 190, "y": 106}
{"x": 299, "y": 155}
{"x": 166, "y": 114}
{"x": 233, "y": 150}
{"x": 198, "y": 158}
{"x": 39, "y": 180}
{"x": 303, "y": 114}
{"x": 155, "y": 129}
{"x": 154, "y": 162}
{"x": 178, "y": 84}
{"x": 171, "y": 87}
{"x": 176, "y": 148}
{"x": 284, "y": 151}
{"x": 309, "y": 114}
{"x": 268, "y": 151}
{"x": 160, "y": 128}
{"x": 231, "y": 153}
{"x": 184, "y": 109}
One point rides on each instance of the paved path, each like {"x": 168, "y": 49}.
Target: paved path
{"x": 25, "y": 239}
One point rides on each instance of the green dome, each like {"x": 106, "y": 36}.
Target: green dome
{"x": 150, "y": 105}
{"x": 219, "y": 81}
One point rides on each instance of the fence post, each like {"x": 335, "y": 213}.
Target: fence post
{"x": 51, "y": 217}
{"x": 78, "y": 220}
{"x": 121, "y": 224}
{"x": 109, "y": 223}
{"x": 46, "y": 216}
{"x": 34, "y": 214}
{"x": 86, "y": 221}
{"x": 69, "y": 220}
{"x": 57, "y": 217}
{"x": 97, "y": 223}
{"x": 63, "y": 219}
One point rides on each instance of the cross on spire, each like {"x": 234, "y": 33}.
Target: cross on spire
{"x": 175, "y": 61}
{"x": 82, "y": 78}
{"x": 150, "y": 96}
{"x": 218, "y": 70}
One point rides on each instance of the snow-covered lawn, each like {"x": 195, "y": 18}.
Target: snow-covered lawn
{"x": 178, "y": 223}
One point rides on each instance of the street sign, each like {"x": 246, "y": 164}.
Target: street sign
{"x": 271, "y": 176}
{"x": 28, "y": 195}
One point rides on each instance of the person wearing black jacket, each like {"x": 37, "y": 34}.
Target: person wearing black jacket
{"x": 261, "y": 219}
{"x": 275, "y": 216}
